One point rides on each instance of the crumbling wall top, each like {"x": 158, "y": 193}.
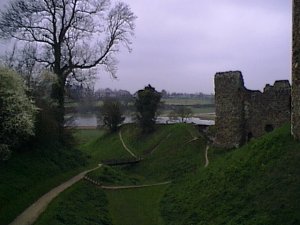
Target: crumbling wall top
{"x": 230, "y": 79}
{"x": 278, "y": 86}
{"x": 242, "y": 114}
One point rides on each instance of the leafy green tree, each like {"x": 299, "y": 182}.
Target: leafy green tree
{"x": 17, "y": 113}
{"x": 46, "y": 120}
{"x": 147, "y": 101}
{"x": 111, "y": 114}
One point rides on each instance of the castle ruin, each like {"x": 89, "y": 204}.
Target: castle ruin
{"x": 296, "y": 71}
{"x": 242, "y": 114}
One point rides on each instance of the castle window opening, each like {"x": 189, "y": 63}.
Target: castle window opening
{"x": 269, "y": 128}
{"x": 249, "y": 136}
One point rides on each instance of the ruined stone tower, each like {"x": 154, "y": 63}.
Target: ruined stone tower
{"x": 242, "y": 114}
{"x": 229, "y": 109}
{"x": 296, "y": 71}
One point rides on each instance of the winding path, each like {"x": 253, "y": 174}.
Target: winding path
{"x": 190, "y": 141}
{"x": 96, "y": 183}
{"x": 206, "y": 150}
{"x": 134, "y": 186}
{"x": 206, "y": 157}
{"x": 30, "y": 215}
{"x": 127, "y": 149}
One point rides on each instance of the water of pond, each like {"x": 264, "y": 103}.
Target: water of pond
{"x": 90, "y": 120}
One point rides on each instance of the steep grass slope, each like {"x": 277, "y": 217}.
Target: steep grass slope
{"x": 174, "y": 153}
{"x": 27, "y": 176}
{"x": 136, "y": 206}
{"x": 82, "y": 204}
{"x": 168, "y": 153}
{"x": 256, "y": 184}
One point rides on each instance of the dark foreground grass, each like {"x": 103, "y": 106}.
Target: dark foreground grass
{"x": 27, "y": 176}
{"x": 82, "y": 204}
{"x": 115, "y": 176}
{"x": 256, "y": 184}
{"x": 172, "y": 158}
{"x": 136, "y": 206}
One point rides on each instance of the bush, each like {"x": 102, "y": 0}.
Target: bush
{"x": 17, "y": 112}
{"x": 111, "y": 114}
{"x": 4, "y": 152}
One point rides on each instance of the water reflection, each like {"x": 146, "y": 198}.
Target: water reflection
{"x": 90, "y": 120}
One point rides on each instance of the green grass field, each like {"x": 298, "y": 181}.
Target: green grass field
{"x": 185, "y": 101}
{"x": 140, "y": 143}
{"x": 82, "y": 204}
{"x": 136, "y": 206}
{"x": 199, "y": 111}
{"x": 87, "y": 135}
{"x": 258, "y": 184}
{"x": 27, "y": 176}
{"x": 106, "y": 147}
{"x": 171, "y": 158}
{"x": 196, "y": 112}
{"x": 115, "y": 176}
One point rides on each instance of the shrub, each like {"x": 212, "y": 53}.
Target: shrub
{"x": 111, "y": 114}
{"x": 17, "y": 112}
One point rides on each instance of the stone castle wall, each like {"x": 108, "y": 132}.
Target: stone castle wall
{"x": 242, "y": 114}
{"x": 296, "y": 71}
{"x": 229, "y": 109}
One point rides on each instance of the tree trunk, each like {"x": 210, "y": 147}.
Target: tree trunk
{"x": 58, "y": 95}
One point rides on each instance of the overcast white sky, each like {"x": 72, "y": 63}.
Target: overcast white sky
{"x": 180, "y": 45}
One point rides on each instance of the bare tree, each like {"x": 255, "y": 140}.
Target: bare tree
{"x": 181, "y": 112}
{"x": 21, "y": 59}
{"x": 72, "y": 37}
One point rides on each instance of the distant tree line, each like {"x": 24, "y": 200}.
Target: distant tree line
{"x": 200, "y": 95}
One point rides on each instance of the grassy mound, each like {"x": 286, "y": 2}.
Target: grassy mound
{"x": 114, "y": 177}
{"x": 172, "y": 155}
{"x": 136, "y": 206}
{"x": 27, "y": 176}
{"x": 141, "y": 144}
{"x": 256, "y": 184}
{"x": 82, "y": 204}
{"x": 175, "y": 154}
{"x": 107, "y": 146}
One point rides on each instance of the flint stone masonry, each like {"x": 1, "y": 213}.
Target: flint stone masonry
{"x": 242, "y": 114}
{"x": 296, "y": 71}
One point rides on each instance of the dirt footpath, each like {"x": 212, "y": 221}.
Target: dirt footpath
{"x": 30, "y": 215}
